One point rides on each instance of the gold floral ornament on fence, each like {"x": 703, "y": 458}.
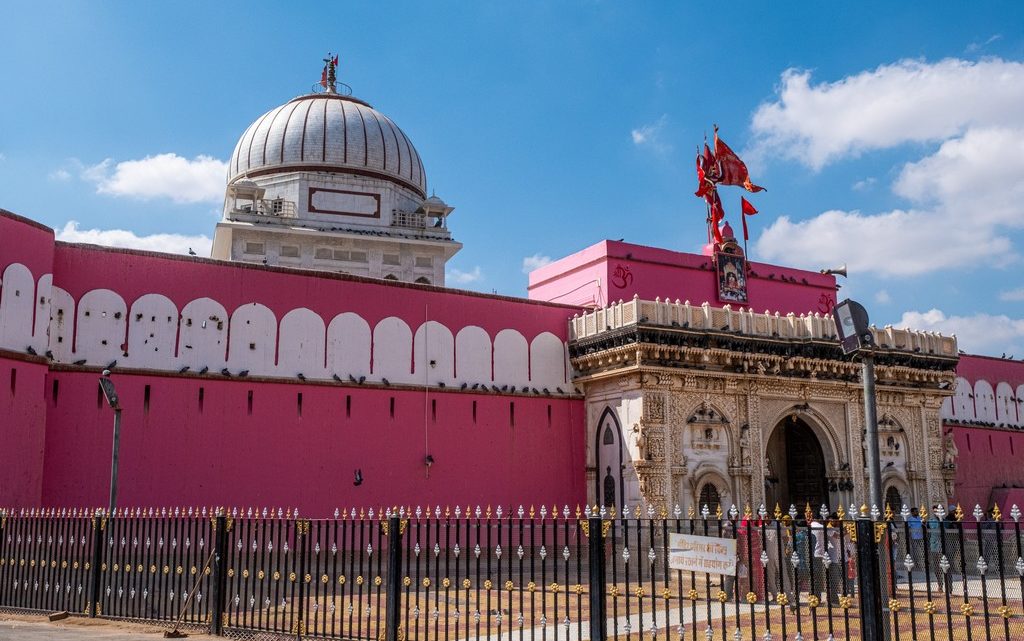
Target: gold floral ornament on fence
{"x": 751, "y": 598}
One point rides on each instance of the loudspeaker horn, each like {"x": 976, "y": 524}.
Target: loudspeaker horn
{"x": 838, "y": 271}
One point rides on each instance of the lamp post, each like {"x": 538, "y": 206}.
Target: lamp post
{"x": 107, "y": 386}
{"x": 855, "y": 336}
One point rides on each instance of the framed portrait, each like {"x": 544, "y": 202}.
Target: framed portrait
{"x": 732, "y": 278}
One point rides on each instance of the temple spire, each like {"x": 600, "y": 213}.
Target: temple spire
{"x": 329, "y": 77}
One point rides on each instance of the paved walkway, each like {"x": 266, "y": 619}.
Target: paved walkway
{"x": 17, "y": 627}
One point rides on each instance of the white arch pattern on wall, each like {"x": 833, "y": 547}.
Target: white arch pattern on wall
{"x": 473, "y": 355}
{"x": 348, "y": 346}
{"x": 17, "y": 296}
{"x": 101, "y": 327}
{"x": 302, "y": 344}
{"x": 252, "y": 340}
{"x": 62, "y": 325}
{"x": 202, "y": 339}
{"x": 984, "y": 401}
{"x": 1020, "y": 404}
{"x": 547, "y": 365}
{"x": 152, "y": 330}
{"x": 43, "y": 299}
{"x": 963, "y": 404}
{"x": 434, "y": 354}
{"x": 511, "y": 366}
{"x": 392, "y": 350}
{"x": 1006, "y": 408}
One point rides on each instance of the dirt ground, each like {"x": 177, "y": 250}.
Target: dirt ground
{"x": 34, "y": 627}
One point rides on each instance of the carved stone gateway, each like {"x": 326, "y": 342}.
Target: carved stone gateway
{"x": 743, "y": 413}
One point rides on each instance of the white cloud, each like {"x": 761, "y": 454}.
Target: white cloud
{"x": 865, "y": 184}
{"x": 896, "y": 243}
{"x": 2, "y": 157}
{"x": 60, "y": 175}
{"x": 977, "y": 46}
{"x": 536, "y": 261}
{"x": 460, "y": 277}
{"x": 908, "y": 101}
{"x": 170, "y": 243}
{"x": 1013, "y": 295}
{"x": 652, "y": 135}
{"x": 162, "y": 176}
{"x": 882, "y": 297}
{"x": 966, "y": 194}
{"x": 980, "y": 333}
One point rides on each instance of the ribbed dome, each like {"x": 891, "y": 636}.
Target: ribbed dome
{"x": 328, "y": 132}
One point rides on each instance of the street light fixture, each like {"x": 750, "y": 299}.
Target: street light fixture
{"x": 856, "y": 338}
{"x": 109, "y": 393}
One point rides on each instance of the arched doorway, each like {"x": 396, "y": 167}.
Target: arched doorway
{"x": 709, "y": 497}
{"x": 608, "y": 455}
{"x": 893, "y": 500}
{"x": 795, "y": 462}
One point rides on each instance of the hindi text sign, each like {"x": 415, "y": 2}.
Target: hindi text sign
{"x": 702, "y": 554}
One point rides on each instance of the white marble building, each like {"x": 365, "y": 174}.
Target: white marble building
{"x": 325, "y": 181}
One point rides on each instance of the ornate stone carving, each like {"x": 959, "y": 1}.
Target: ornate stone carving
{"x": 654, "y": 408}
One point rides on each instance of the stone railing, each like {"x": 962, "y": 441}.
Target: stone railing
{"x": 745, "y": 321}
{"x": 268, "y": 207}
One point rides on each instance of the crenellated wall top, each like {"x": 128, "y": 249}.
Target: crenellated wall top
{"x": 809, "y": 326}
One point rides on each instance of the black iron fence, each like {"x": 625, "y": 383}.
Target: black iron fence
{"x": 538, "y": 573}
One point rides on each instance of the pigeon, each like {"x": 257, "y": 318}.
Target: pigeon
{"x": 226, "y": 372}
{"x": 111, "y": 365}
{"x": 358, "y": 479}
{"x": 31, "y": 350}
{"x": 385, "y": 381}
{"x": 440, "y": 383}
{"x": 301, "y": 376}
{"x": 475, "y": 385}
{"x": 504, "y": 388}
{"x": 546, "y": 392}
{"x": 243, "y": 373}
{"x": 464, "y": 386}
{"x": 81, "y": 362}
{"x": 525, "y": 389}
{"x": 559, "y": 390}
{"x": 351, "y": 379}
{"x": 191, "y": 252}
{"x": 49, "y": 354}
{"x": 495, "y": 388}
{"x": 534, "y": 390}
{"x": 204, "y": 370}
{"x": 183, "y": 370}
{"x": 362, "y": 379}
{"x": 337, "y": 378}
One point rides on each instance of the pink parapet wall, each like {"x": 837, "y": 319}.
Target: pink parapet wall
{"x": 986, "y": 418}
{"x": 22, "y": 430}
{"x": 611, "y": 271}
{"x": 187, "y": 440}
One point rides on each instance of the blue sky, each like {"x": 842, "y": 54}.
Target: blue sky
{"x": 890, "y": 135}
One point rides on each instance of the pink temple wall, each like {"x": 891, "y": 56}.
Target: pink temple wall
{"x": 175, "y": 453}
{"x": 22, "y": 430}
{"x": 519, "y": 448}
{"x": 986, "y": 417}
{"x": 611, "y": 271}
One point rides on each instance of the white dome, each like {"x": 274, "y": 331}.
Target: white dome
{"x": 328, "y": 132}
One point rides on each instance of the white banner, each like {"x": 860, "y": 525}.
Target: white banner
{"x": 702, "y": 554}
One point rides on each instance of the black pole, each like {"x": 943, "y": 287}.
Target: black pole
{"x": 113, "y": 460}
{"x": 219, "y": 577}
{"x": 869, "y": 580}
{"x": 598, "y": 617}
{"x": 871, "y": 427}
{"x": 394, "y": 581}
{"x": 99, "y": 524}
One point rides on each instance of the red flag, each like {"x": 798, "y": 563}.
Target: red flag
{"x": 323, "y": 77}
{"x": 717, "y": 213}
{"x": 734, "y": 171}
{"x": 335, "y": 61}
{"x": 748, "y": 210}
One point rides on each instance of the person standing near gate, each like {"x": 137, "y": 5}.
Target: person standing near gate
{"x": 916, "y": 529}
{"x": 934, "y": 526}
